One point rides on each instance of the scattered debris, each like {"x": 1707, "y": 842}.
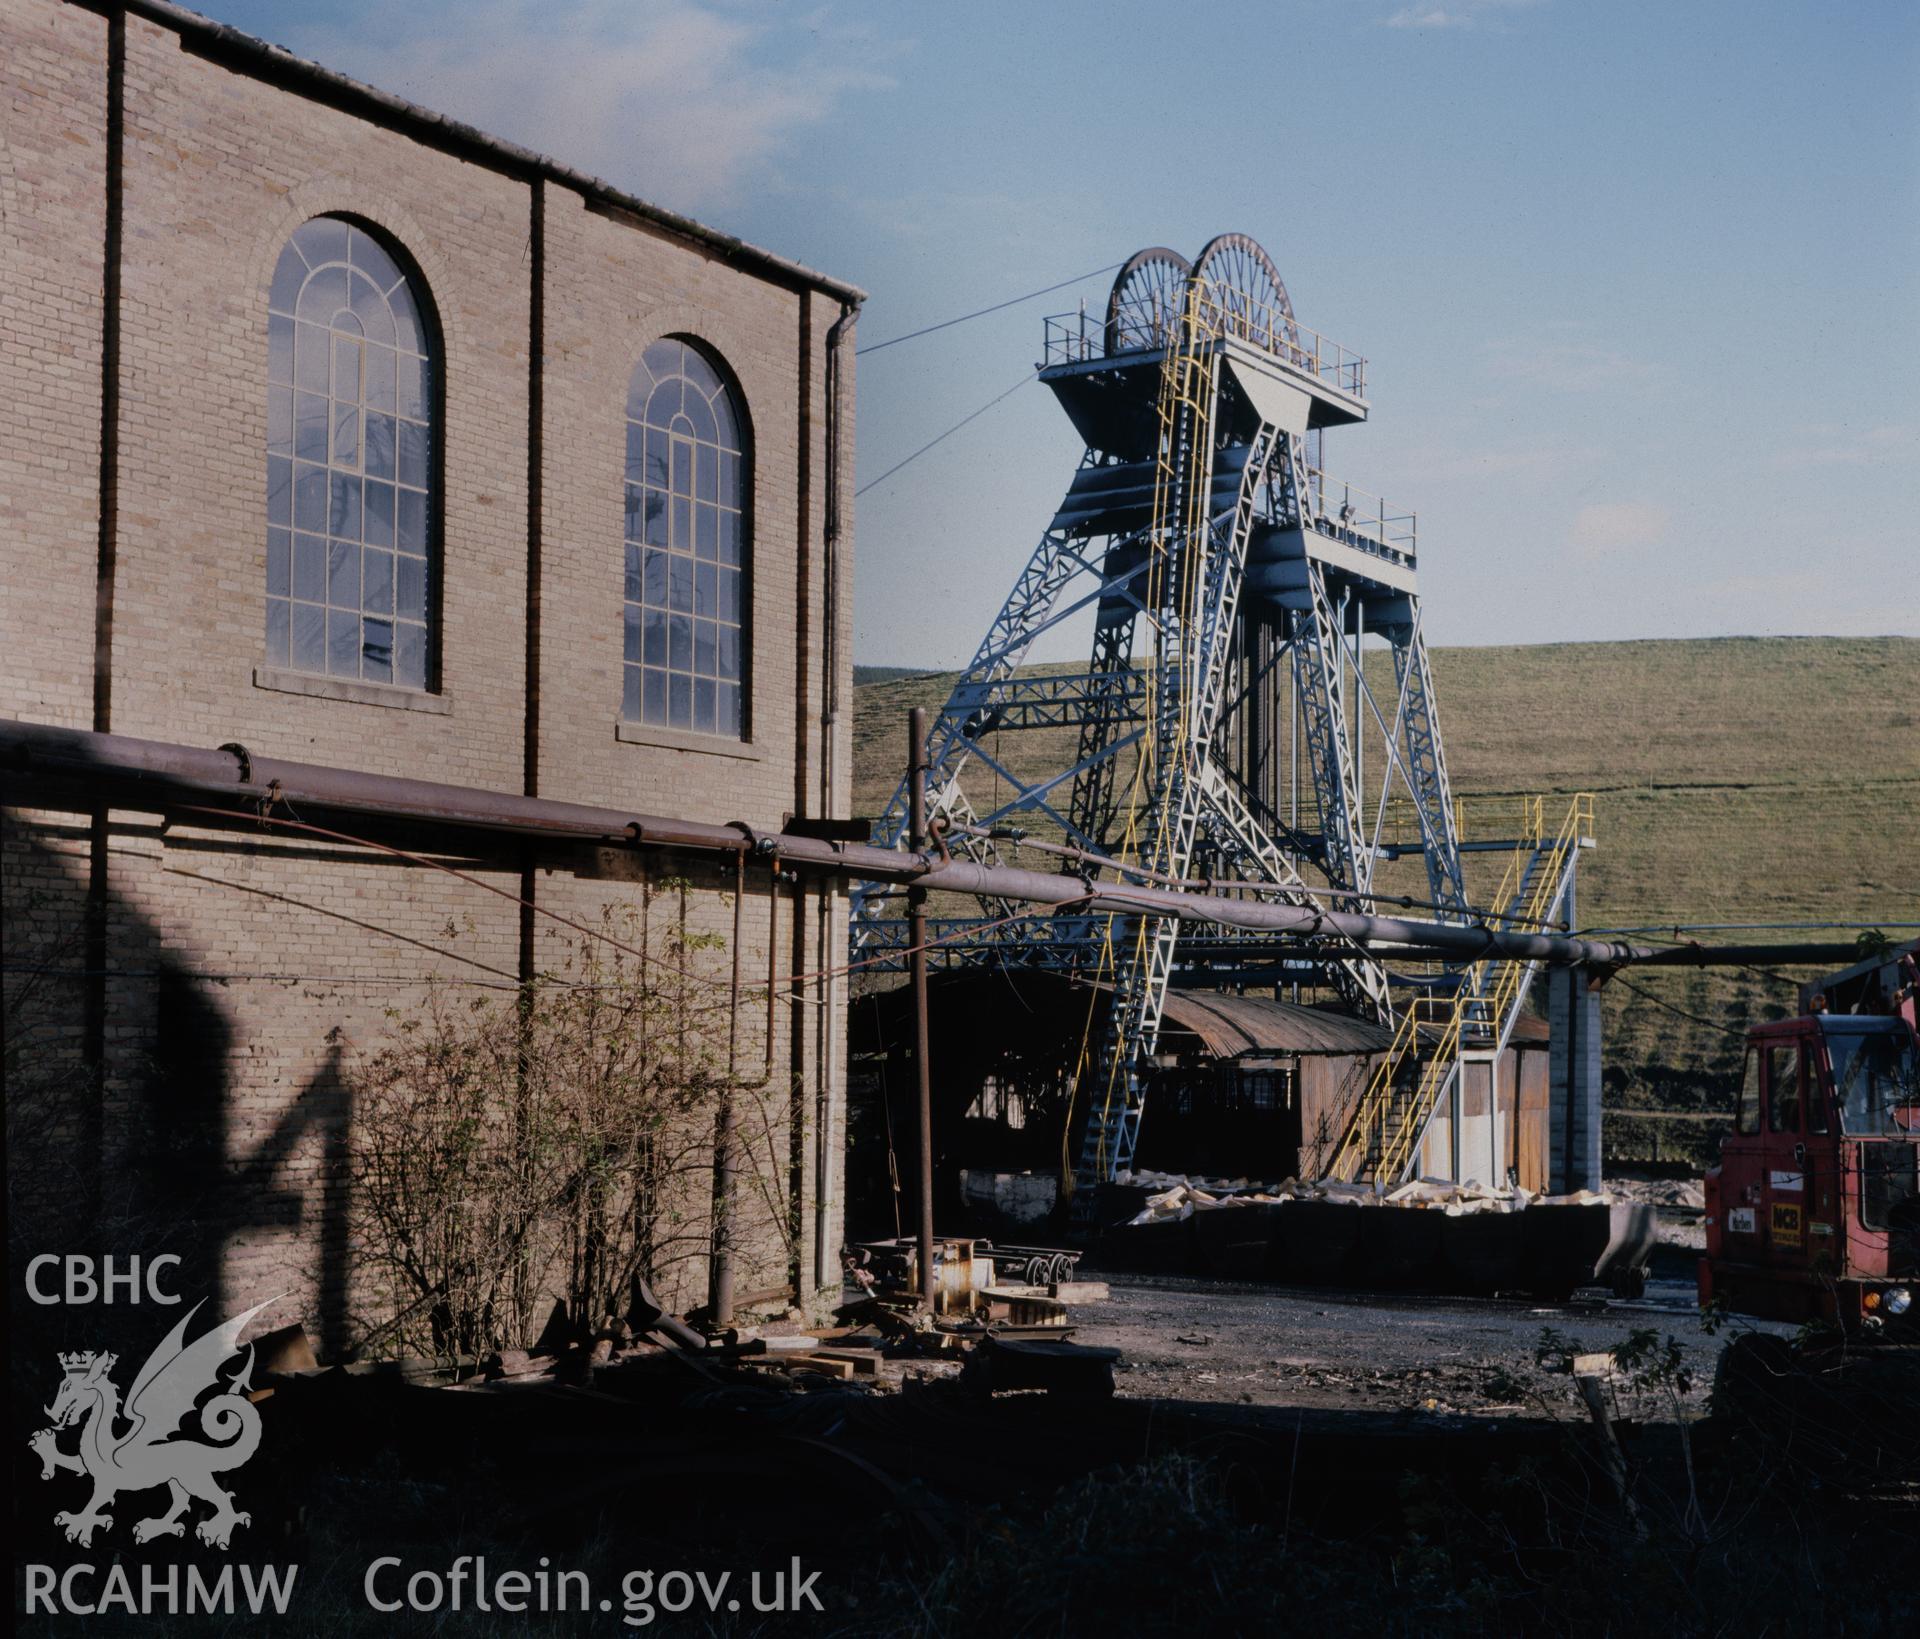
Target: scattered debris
{"x": 998, "y": 1364}
{"x": 1427, "y": 1234}
{"x": 1676, "y": 1194}
{"x": 506, "y": 1363}
{"x": 1178, "y": 1197}
{"x": 962, "y": 1269}
{"x": 285, "y": 1350}
{"x": 1079, "y": 1291}
{"x": 861, "y": 1362}
{"x": 1021, "y": 1308}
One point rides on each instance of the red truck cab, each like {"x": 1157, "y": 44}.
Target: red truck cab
{"x": 1814, "y": 1211}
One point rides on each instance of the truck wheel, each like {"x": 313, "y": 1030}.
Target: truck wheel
{"x": 1630, "y": 1281}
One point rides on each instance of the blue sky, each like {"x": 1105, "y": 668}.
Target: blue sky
{"x": 1636, "y": 281}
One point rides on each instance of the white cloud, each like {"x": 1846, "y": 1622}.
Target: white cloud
{"x": 1839, "y": 447}
{"x": 1428, "y": 463}
{"x": 681, "y": 102}
{"x": 1429, "y": 17}
{"x": 1618, "y": 526}
{"x": 1459, "y": 14}
{"x": 1568, "y": 363}
{"x": 1021, "y": 224}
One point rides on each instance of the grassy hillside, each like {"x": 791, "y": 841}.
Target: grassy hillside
{"x": 885, "y": 674}
{"x": 1736, "y": 780}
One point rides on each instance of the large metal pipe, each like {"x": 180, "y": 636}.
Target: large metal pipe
{"x": 917, "y": 971}
{"x": 1777, "y": 955}
{"x": 1274, "y": 958}
{"x": 1454, "y": 941}
{"x": 55, "y": 767}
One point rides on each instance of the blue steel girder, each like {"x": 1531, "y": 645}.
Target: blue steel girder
{"x": 1253, "y": 856}
{"x": 1119, "y": 698}
{"x": 995, "y": 663}
{"x": 1034, "y": 796}
{"x": 1068, "y": 700}
{"x": 1056, "y": 561}
{"x": 1295, "y": 844}
{"x": 1425, "y": 767}
{"x": 1317, "y": 661}
{"x": 989, "y": 696}
{"x": 1027, "y": 611}
{"x": 1031, "y": 797}
{"x": 1197, "y": 608}
{"x": 1262, "y": 752}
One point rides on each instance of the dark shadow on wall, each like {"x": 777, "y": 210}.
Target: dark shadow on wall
{"x": 230, "y": 1187}
{"x": 113, "y": 1134}
{"x": 317, "y": 1207}
{"x": 125, "y": 1140}
{"x": 184, "y": 1106}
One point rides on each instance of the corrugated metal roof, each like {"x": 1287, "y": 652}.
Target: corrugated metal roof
{"x": 1231, "y": 1025}
{"x": 1018, "y": 1006}
{"x": 1530, "y": 1029}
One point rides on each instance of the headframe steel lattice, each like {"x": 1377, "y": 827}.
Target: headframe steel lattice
{"x": 1224, "y": 726}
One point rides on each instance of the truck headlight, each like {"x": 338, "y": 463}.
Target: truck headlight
{"x": 1899, "y": 1300}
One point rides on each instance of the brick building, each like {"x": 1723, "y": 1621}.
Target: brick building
{"x": 346, "y": 434}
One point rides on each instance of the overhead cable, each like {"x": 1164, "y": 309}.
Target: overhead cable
{"x": 1014, "y": 301}
{"x": 977, "y": 414}
{"x": 1695, "y": 1018}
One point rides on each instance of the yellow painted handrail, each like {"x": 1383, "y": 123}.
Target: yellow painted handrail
{"x": 1431, "y": 1029}
{"x": 1187, "y": 384}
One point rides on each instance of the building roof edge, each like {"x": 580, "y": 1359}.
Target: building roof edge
{"x": 278, "y": 64}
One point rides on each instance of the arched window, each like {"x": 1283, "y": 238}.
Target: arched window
{"x": 350, "y": 470}
{"x": 685, "y": 632}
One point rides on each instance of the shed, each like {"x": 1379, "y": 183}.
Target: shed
{"x": 1239, "y": 1084}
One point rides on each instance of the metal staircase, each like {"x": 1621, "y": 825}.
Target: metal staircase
{"x": 1224, "y": 725}
{"x": 1416, "y": 1075}
{"x": 1189, "y": 629}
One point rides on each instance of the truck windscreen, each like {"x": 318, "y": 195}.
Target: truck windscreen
{"x": 1877, "y": 1076}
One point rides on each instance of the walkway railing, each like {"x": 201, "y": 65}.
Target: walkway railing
{"x": 1071, "y": 338}
{"x": 1407, "y": 1083}
{"x": 1514, "y": 817}
{"x": 1362, "y": 519}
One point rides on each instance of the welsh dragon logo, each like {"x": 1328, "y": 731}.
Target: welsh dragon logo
{"x": 135, "y": 1448}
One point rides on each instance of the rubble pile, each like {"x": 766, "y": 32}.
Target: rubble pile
{"x": 1429, "y": 1234}
{"x": 1178, "y": 1197}
{"x": 1669, "y": 1194}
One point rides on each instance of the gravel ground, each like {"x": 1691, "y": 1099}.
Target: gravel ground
{"x": 1187, "y": 1338}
